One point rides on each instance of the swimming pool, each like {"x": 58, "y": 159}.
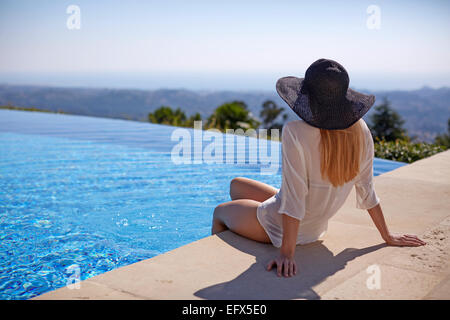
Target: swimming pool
{"x": 97, "y": 194}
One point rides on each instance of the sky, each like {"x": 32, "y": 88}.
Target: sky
{"x": 222, "y": 45}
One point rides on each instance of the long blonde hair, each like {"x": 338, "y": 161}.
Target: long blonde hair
{"x": 340, "y": 152}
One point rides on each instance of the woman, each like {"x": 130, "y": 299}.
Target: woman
{"x": 323, "y": 156}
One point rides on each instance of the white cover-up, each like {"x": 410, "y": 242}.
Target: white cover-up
{"x": 304, "y": 195}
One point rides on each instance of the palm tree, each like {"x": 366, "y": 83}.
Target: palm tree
{"x": 270, "y": 113}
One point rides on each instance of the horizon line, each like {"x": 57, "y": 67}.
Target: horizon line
{"x": 176, "y": 88}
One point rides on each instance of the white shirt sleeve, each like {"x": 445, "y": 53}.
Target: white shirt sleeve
{"x": 366, "y": 198}
{"x": 294, "y": 176}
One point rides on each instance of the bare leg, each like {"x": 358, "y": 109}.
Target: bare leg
{"x": 239, "y": 216}
{"x": 244, "y": 188}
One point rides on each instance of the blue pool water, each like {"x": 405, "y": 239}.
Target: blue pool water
{"x": 99, "y": 194}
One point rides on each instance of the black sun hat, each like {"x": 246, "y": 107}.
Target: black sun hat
{"x": 322, "y": 98}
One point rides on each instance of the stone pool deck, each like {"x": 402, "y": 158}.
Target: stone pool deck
{"x": 415, "y": 199}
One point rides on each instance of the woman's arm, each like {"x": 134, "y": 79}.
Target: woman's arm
{"x": 285, "y": 263}
{"x": 293, "y": 192}
{"x": 393, "y": 240}
{"x": 290, "y": 233}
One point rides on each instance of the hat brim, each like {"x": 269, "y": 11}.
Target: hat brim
{"x": 354, "y": 106}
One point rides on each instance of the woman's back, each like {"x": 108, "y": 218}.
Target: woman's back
{"x": 322, "y": 196}
{"x": 305, "y": 194}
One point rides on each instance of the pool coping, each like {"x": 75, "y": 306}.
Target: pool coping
{"x": 345, "y": 264}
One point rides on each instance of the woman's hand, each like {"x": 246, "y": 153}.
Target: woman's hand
{"x": 285, "y": 265}
{"x": 406, "y": 240}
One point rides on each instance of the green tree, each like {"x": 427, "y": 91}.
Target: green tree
{"x": 444, "y": 139}
{"x": 270, "y": 113}
{"x": 165, "y": 115}
{"x": 232, "y": 115}
{"x": 190, "y": 121}
{"x": 386, "y": 123}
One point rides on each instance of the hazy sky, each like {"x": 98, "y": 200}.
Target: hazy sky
{"x": 223, "y": 44}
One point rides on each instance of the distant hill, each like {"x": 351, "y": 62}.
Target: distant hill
{"x": 425, "y": 110}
